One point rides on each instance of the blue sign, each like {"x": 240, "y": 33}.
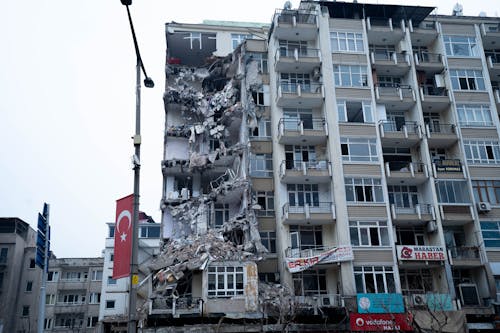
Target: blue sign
{"x": 380, "y": 303}
{"x": 439, "y": 302}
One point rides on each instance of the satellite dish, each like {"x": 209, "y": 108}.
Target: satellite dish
{"x": 287, "y": 5}
{"x": 458, "y": 10}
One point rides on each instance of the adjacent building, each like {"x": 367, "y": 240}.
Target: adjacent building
{"x": 343, "y": 151}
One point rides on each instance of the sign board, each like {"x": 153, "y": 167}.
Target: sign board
{"x": 396, "y": 322}
{"x": 380, "y": 303}
{"x": 336, "y": 254}
{"x": 420, "y": 252}
{"x": 448, "y": 166}
{"x": 439, "y": 302}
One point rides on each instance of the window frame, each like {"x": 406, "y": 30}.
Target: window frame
{"x": 347, "y": 41}
{"x": 237, "y": 39}
{"x": 486, "y": 190}
{"x": 229, "y": 275}
{"x": 348, "y": 144}
{"x": 345, "y": 76}
{"x": 467, "y": 79}
{"x": 475, "y": 111}
{"x": 366, "y": 107}
{"x": 371, "y": 188}
{"x": 364, "y": 231}
{"x": 443, "y": 187}
{"x": 261, "y": 165}
{"x": 479, "y": 151}
{"x": 374, "y": 271}
{"x": 468, "y": 43}
{"x": 490, "y": 231}
{"x": 268, "y": 239}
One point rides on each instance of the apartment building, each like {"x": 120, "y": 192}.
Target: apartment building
{"x": 113, "y": 294}
{"x": 73, "y": 294}
{"x": 19, "y": 276}
{"x": 316, "y": 170}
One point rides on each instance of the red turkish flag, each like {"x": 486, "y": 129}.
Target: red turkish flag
{"x": 123, "y": 237}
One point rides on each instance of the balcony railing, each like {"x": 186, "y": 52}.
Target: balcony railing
{"x": 299, "y": 125}
{"x": 393, "y": 126}
{"x": 304, "y": 165}
{"x": 464, "y": 252}
{"x": 437, "y": 128}
{"x": 417, "y": 209}
{"x": 298, "y": 88}
{"x": 175, "y": 305}
{"x": 448, "y": 165}
{"x": 312, "y": 207}
{"x": 428, "y": 58}
{"x": 394, "y": 90}
{"x": 265, "y": 213}
{"x": 405, "y": 166}
{"x": 297, "y": 53}
{"x": 434, "y": 91}
{"x": 318, "y": 300}
{"x": 296, "y": 16}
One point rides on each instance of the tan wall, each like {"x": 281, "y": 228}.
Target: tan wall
{"x": 482, "y": 172}
{"x": 372, "y": 256}
{"x": 455, "y": 29}
{"x": 362, "y": 169}
{"x": 356, "y": 93}
{"x": 345, "y": 58}
{"x": 461, "y": 63}
{"x": 347, "y": 24}
{"x": 358, "y": 129}
{"x": 375, "y": 212}
{"x": 262, "y": 184}
{"x": 479, "y": 133}
{"x": 468, "y": 97}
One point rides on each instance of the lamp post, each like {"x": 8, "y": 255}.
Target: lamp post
{"x": 148, "y": 83}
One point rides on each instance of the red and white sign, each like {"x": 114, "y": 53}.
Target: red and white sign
{"x": 420, "y": 252}
{"x": 336, "y": 254}
{"x": 123, "y": 237}
{"x": 381, "y": 322}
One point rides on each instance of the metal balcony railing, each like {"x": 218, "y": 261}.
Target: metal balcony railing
{"x": 434, "y": 91}
{"x": 305, "y": 165}
{"x": 300, "y": 87}
{"x": 394, "y": 90}
{"x": 417, "y": 209}
{"x": 296, "y": 16}
{"x": 429, "y": 58}
{"x": 306, "y": 251}
{"x": 405, "y": 166}
{"x": 437, "y": 128}
{"x": 302, "y": 124}
{"x": 464, "y": 252}
{"x": 313, "y": 207}
{"x": 265, "y": 213}
{"x": 177, "y": 304}
{"x": 393, "y": 126}
{"x": 317, "y": 300}
{"x": 301, "y": 52}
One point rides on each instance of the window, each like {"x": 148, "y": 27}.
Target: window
{"x": 95, "y": 298}
{"x": 1, "y": 280}
{"x": 26, "y": 311}
{"x": 355, "y": 112}
{"x": 293, "y": 118}
{"x": 403, "y": 196}
{"x": 482, "y": 152}
{"x": 410, "y": 236}
{"x": 150, "y": 231}
{"x": 415, "y": 281}
{"x": 111, "y": 229}
{"x": 96, "y": 275}
{"x": 74, "y": 276}
{"x": 261, "y": 59}
{"x": 301, "y": 194}
{"x": 92, "y": 321}
{"x": 111, "y": 281}
{"x": 295, "y": 155}
{"x": 452, "y": 191}
{"x": 262, "y": 130}
{"x": 71, "y": 298}
{"x": 288, "y": 47}
{"x": 52, "y": 276}
{"x": 73, "y": 320}
{"x": 194, "y": 39}
{"x": 111, "y": 257}
{"x": 305, "y": 237}
{"x": 266, "y": 202}
{"x": 359, "y": 150}
{"x": 486, "y": 191}
{"x": 369, "y": 233}
{"x": 491, "y": 233}
{"x": 389, "y": 81}
{"x": 350, "y": 76}
{"x": 32, "y": 263}
{"x": 261, "y": 165}
{"x": 363, "y": 190}
{"x": 290, "y": 81}
{"x": 50, "y": 299}
{"x": 268, "y": 239}
{"x": 374, "y": 279}
{"x": 3, "y": 255}
{"x": 346, "y": 41}
{"x": 237, "y": 39}
{"x": 461, "y": 46}
{"x": 261, "y": 96}
{"x": 225, "y": 281}
{"x": 467, "y": 79}
{"x": 221, "y": 214}
{"x": 110, "y": 304}
{"x": 309, "y": 283}
{"x": 47, "y": 323}
{"x": 474, "y": 115}
{"x": 274, "y": 278}
{"x": 29, "y": 286}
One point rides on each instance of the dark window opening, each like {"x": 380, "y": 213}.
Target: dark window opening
{"x": 489, "y": 152}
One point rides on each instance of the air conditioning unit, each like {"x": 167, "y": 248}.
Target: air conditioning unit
{"x": 419, "y": 299}
{"x": 468, "y": 294}
{"x": 328, "y": 300}
{"x": 483, "y": 207}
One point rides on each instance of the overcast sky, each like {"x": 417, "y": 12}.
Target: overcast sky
{"x": 67, "y": 105}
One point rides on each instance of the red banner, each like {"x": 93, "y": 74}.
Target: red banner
{"x": 381, "y": 322}
{"x": 123, "y": 237}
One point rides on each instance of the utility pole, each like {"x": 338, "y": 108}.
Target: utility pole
{"x": 42, "y": 260}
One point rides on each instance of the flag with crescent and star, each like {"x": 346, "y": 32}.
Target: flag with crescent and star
{"x": 123, "y": 237}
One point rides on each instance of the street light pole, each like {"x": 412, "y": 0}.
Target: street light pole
{"x": 134, "y": 269}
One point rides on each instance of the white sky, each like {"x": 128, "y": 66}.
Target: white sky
{"x": 67, "y": 105}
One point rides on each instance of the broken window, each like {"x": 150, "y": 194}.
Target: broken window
{"x": 221, "y": 214}
{"x": 290, "y": 81}
{"x": 261, "y": 97}
{"x": 225, "y": 281}
{"x": 266, "y": 202}
{"x": 269, "y": 277}
{"x": 262, "y": 130}
{"x": 288, "y": 47}
{"x": 355, "y": 112}
{"x": 369, "y": 233}
{"x": 294, "y": 118}
{"x": 306, "y": 237}
{"x": 374, "y": 279}
{"x": 261, "y": 59}
{"x": 310, "y": 283}
{"x": 295, "y": 155}
{"x": 268, "y": 239}
{"x": 416, "y": 281}
{"x": 194, "y": 40}
{"x": 237, "y": 39}
{"x": 410, "y": 236}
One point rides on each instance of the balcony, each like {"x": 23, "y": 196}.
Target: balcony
{"x": 423, "y": 34}
{"x": 395, "y": 97}
{"x": 384, "y": 31}
{"x": 385, "y": 61}
{"x": 490, "y": 34}
{"x": 310, "y": 172}
{"x": 177, "y": 307}
{"x": 299, "y": 132}
{"x": 409, "y": 215}
{"x": 434, "y": 98}
{"x": 316, "y": 302}
{"x": 456, "y": 214}
{"x": 297, "y": 60}
{"x": 317, "y": 213}
{"x": 441, "y": 135}
{"x": 496, "y": 92}
{"x": 419, "y": 299}
{"x": 408, "y": 173}
{"x": 431, "y": 63}
{"x": 494, "y": 65}
{"x": 69, "y": 307}
{"x": 295, "y": 24}
{"x": 303, "y": 95}
{"x": 174, "y": 167}
{"x": 464, "y": 256}
{"x": 448, "y": 168}
{"x": 405, "y": 134}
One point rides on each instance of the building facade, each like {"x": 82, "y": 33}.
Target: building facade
{"x": 345, "y": 151}
{"x": 19, "y": 277}
{"x": 73, "y": 294}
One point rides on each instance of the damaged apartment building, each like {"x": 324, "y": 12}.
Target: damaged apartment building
{"x": 343, "y": 156}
